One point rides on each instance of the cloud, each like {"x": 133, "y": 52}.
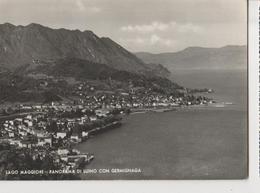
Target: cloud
{"x": 95, "y": 9}
{"x": 144, "y": 25}
{"x": 136, "y": 40}
{"x": 81, "y": 5}
{"x": 155, "y": 26}
{"x": 162, "y": 27}
{"x": 160, "y": 35}
{"x": 190, "y": 28}
{"x": 152, "y": 40}
{"x": 155, "y": 39}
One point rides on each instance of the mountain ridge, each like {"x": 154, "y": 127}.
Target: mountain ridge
{"x": 226, "y": 57}
{"x": 21, "y": 45}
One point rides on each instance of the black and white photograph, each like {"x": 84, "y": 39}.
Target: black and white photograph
{"x": 123, "y": 90}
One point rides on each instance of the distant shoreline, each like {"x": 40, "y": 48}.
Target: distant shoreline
{"x": 179, "y": 108}
{"x": 141, "y": 110}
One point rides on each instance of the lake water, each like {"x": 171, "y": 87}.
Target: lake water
{"x": 198, "y": 143}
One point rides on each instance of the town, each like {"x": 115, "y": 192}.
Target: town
{"x": 53, "y": 129}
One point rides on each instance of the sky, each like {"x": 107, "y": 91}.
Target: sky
{"x": 140, "y": 25}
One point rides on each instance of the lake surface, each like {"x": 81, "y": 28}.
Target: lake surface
{"x": 198, "y": 143}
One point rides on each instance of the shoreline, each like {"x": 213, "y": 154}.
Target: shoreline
{"x": 119, "y": 159}
{"x": 179, "y": 108}
{"x": 155, "y": 110}
{"x": 142, "y": 110}
{"x": 117, "y": 124}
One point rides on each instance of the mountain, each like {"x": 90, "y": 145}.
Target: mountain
{"x": 34, "y": 44}
{"x": 87, "y": 70}
{"x": 228, "y": 57}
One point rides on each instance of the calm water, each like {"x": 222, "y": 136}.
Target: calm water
{"x": 198, "y": 143}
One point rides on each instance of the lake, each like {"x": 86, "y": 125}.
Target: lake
{"x": 197, "y": 143}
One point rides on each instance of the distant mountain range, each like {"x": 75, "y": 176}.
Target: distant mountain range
{"x": 35, "y": 44}
{"x": 228, "y": 57}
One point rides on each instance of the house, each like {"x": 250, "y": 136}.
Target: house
{"x": 18, "y": 121}
{"x": 48, "y": 140}
{"x": 84, "y": 119}
{"x": 44, "y": 141}
{"x": 71, "y": 122}
{"x": 102, "y": 112}
{"x": 11, "y": 134}
{"x": 62, "y": 151}
{"x": 22, "y": 133}
{"x": 28, "y": 123}
{"x": 61, "y": 134}
{"x": 27, "y": 144}
{"x": 75, "y": 137}
{"x": 11, "y": 123}
{"x": 93, "y": 118}
{"x": 26, "y": 107}
{"x": 124, "y": 94}
{"x": 38, "y": 107}
{"x": 29, "y": 117}
{"x": 118, "y": 106}
{"x": 15, "y": 142}
{"x": 84, "y": 134}
{"x": 39, "y": 133}
{"x": 64, "y": 158}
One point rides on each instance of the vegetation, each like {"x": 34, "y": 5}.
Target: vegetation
{"x": 22, "y": 160}
{"x": 19, "y": 87}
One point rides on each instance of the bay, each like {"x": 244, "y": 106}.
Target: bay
{"x": 197, "y": 143}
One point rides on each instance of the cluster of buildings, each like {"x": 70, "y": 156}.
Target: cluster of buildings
{"x": 135, "y": 97}
{"x": 53, "y": 129}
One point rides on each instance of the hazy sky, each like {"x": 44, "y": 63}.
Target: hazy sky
{"x": 139, "y": 25}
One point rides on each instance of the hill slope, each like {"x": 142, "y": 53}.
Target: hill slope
{"x": 32, "y": 44}
{"x": 59, "y": 79}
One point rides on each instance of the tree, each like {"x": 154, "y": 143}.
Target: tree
{"x": 52, "y": 127}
